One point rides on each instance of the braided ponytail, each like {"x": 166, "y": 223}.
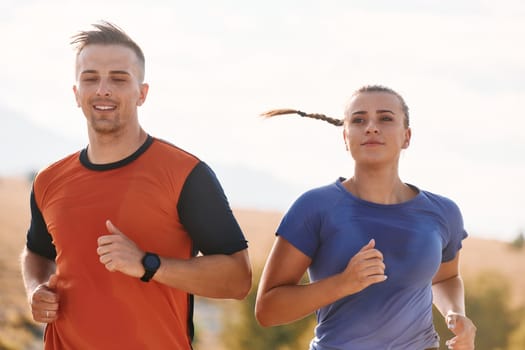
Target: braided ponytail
{"x": 274, "y": 112}
{"x": 340, "y": 122}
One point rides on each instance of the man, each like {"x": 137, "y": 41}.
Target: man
{"x": 111, "y": 260}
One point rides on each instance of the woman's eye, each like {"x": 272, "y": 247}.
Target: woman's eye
{"x": 357, "y": 120}
{"x": 387, "y": 118}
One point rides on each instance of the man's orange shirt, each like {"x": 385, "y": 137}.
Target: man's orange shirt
{"x": 100, "y": 309}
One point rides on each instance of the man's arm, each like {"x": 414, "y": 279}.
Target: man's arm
{"x": 223, "y": 269}
{"x": 214, "y": 275}
{"x": 40, "y": 283}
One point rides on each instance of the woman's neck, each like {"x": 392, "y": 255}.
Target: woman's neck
{"x": 382, "y": 187}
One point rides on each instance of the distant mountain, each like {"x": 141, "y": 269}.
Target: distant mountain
{"x": 26, "y": 148}
{"x": 255, "y": 189}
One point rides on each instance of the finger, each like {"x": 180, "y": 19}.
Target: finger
{"x": 376, "y": 269}
{"x": 452, "y": 319}
{"x": 372, "y": 279}
{"x": 451, "y": 343}
{"x": 104, "y": 240}
{"x": 451, "y": 322}
{"x": 377, "y": 278}
{"x": 45, "y": 316}
{"x": 104, "y": 258}
{"x": 371, "y": 254}
{"x": 50, "y": 315}
{"x": 368, "y": 246}
{"x": 52, "y": 282}
{"x": 113, "y": 229}
{"x": 44, "y": 295}
{"x": 110, "y": 266}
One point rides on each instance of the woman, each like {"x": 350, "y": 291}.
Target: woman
{"x": 378, "y": 251}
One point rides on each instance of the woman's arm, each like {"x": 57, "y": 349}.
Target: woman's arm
{"x": 449, "y": 299}
{"x": 280, "y": 297}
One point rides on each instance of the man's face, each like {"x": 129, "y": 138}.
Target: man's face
{"x": 109, "y": 87}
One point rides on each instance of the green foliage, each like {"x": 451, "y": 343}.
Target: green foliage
{"x": 242, "y": 331}
{"x": 486, "y": 303}
{"x": 518, "y": 242}
{"x": 499, "y": 327}
{"x": 517, "y": 337}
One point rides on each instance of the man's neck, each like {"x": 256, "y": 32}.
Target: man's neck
{"x": 113, "y": 147}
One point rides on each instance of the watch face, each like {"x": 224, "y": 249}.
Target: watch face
{"x": 151, "y": 262}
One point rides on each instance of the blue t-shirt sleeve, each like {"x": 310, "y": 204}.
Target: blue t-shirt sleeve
{"x": 301, "y": 224}
{"x": 206, "y": 214}
{"x": 456, "y": 231}
{"x": 39, "y": 240}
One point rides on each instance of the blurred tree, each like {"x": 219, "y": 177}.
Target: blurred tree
{"x": 242, "y": 331}
{"x": 518, "y": 241}
{"x": 486, "y": 303}
{"x": 517, "y": 337}
{"x": 487, "y": 306}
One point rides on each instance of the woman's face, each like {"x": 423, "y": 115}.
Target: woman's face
{"x": 374, "y": 128}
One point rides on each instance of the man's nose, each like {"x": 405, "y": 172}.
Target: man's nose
{"x": 103, "y": 89}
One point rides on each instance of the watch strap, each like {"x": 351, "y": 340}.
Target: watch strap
{"x": 148, "y": 272}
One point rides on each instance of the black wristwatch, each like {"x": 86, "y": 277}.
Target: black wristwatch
{"x": 151, "y": 263}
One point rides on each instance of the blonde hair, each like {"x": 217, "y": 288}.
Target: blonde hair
{"x": 340, "y": 121}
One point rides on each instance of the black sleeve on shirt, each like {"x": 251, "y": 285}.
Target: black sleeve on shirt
{"x": 206, "y": 214}
{"x": 39, "y": 241}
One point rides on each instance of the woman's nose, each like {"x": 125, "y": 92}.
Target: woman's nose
{"x": 371, "y": 127}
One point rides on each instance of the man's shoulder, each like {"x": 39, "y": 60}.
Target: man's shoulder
{"x": 168, "y": 148}
{"x": 59, "y": 166}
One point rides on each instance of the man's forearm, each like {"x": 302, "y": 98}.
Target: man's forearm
{"x": 213, "y": 276}
{"x": 35, "y": 270}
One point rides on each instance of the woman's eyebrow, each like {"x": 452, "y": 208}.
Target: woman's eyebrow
{"x": 385, "y": 111}
{"x": 377, "y": 111}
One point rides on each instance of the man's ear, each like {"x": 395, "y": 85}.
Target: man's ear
{"x": 75, "y": 91}
{"x": 143, "y": 94}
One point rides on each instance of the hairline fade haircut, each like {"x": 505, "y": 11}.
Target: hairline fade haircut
{"x": 341, "y": 121}
{"x": 107, "y": 33}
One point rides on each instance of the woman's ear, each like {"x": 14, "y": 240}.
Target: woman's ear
{"x": 408, "y": 136}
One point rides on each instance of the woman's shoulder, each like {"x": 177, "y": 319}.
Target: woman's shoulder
{"x": 319, "y": 198}
{"x": 440, "y": 201}
{"x": 321, "y": 193}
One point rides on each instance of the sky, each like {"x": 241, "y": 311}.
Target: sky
{"x": 214, "y": 66}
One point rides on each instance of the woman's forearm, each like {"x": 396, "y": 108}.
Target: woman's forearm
{"x": 449, "y": 295}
